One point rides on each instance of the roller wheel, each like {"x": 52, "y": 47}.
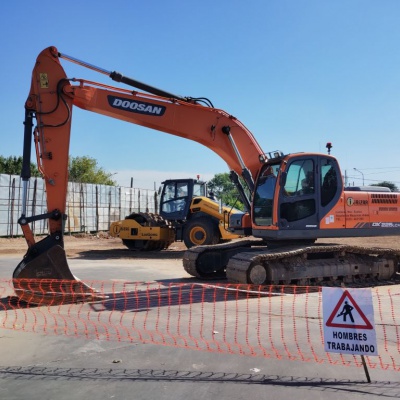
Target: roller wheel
{"x": 146, "y": 219}
{"x": 200, "y": 231}
{"x": 140, "y": 245}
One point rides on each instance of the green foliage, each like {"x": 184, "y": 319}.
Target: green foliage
{"x": 13, "y": 165}
{"x": 85, "y": 170}
{"x": 225, "y": 190}
{"x": 80, "y": 169}
{"x": 387, "y": 184}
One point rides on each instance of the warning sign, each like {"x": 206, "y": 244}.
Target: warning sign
{"x": 349, "y": 321}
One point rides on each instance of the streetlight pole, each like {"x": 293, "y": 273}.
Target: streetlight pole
{"x": 355, "y": 169}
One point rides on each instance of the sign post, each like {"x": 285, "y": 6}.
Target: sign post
{"x": 349, "y": 326}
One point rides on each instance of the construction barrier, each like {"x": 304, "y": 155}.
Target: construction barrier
{"x": 90, "y": 207}
{"x": 280, "y": 322}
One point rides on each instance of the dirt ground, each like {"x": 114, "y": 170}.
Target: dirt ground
{"x": 103, "y": 246}
{"x": 94, "y": 246}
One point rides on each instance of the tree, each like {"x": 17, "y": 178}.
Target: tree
{"x": 225, "y": 190}
{"x": 390, "y": 185}
{"x": 85, "y": 170}
{"x": 12, "y": 165}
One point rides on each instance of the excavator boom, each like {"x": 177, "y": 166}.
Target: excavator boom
{"x": 51, "y": 100}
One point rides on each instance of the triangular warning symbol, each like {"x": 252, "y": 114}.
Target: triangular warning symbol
{"x": 341, "y": 305}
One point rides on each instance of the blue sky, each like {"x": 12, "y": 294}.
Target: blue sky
{"x": 297, "y": 73}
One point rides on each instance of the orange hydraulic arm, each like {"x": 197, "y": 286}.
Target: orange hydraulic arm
{"x": 43, "y": 276}
{"x": 51, "y": 100}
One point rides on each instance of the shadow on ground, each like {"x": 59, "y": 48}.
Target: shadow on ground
{"x": 128, "y": 254}
{"x": 30, "y": 373}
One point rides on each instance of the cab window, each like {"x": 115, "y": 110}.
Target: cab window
{"x": 264, "y": 195}
{"x": 199, "y": 190}
{"x": 299, "y": 191}
{"x": 175, "y": 197}
{"x": 329, "y": 182}
{"x": 300, "y": 178}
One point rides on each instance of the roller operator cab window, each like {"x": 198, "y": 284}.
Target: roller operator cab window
{"x": 264, "y": 195}
{"x": 175, "y": 197}
{"x": 199, "y": 189}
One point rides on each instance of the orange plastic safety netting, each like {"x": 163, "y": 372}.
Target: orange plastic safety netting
{"x": 282, "y": 322}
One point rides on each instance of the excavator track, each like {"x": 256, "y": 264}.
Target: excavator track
{"x": 323, "y": 265}
{"x": 209, "y": 261}
{"x": 148, "y": 219}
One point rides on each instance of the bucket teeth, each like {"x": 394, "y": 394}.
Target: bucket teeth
{"x": 43, "y": 277}
{"x": 48, "y": 264}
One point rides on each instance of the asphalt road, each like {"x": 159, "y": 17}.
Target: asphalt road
{"x": 34, "y": 367}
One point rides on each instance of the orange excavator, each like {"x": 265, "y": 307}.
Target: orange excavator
{"x": 291, "y": 200}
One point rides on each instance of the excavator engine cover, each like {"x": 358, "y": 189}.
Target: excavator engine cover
{"x": 43, "y": 277}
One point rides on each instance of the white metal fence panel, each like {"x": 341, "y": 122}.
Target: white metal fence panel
{"x": 90, "y": 208}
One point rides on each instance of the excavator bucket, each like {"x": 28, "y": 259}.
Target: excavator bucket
{"x": 43, "y": 277}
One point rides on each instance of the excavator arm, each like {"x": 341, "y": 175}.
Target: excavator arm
{"x": 51, "y": 101}
{"x": 53, "y": 95}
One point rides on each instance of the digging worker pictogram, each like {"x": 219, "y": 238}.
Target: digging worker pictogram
{"x": 346, "y": 311}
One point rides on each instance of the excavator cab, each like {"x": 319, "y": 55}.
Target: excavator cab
{"x": 293, "y": 193}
